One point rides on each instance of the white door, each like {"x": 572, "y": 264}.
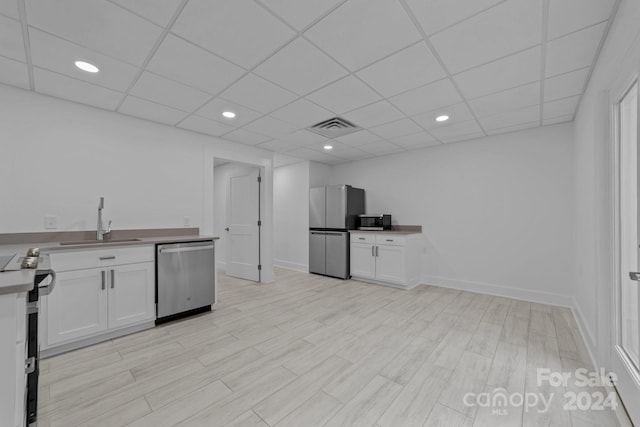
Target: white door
{"x": 131, "y": 294}
{"x": 243, "y": 230}
{"x": 78, "y": 307}
{"x": 363, "y": 261}
{"x": 390, "y": 264}
{"x": 626, "y": 351}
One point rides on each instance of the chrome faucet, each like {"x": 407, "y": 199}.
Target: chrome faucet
{"x": 100, "y": 232}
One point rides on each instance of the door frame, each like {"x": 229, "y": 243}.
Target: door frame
{"x": 616, "y": 359}
{"x": 261, "y": 207}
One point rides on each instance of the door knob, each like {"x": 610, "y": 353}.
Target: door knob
{"x": 226, "y": 229}
{"x": 634, "y": 275}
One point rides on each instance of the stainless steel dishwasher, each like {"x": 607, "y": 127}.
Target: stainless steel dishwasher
{"x": 185, "y": 279}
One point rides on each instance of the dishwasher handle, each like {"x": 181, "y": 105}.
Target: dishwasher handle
{"x": 185, "y": 249}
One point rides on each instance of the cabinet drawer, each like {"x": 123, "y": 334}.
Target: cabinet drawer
{"x": 96, "y": 258}
{"x": 363, "y": 238}
{"x": 391, "y": 239}
{"x": 21, "y": 318}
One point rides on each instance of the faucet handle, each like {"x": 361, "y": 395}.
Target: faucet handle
{"x": 109, "y": 227}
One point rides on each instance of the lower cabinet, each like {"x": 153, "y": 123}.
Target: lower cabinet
{"x": 386, "y": 258}
{"x": 88, "y": 302}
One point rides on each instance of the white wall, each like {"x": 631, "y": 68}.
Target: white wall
{"x": 593, "y": 181}
{"x": 496, "y": 212}
{"x": 221, "y": 176}
{"x": 59, "y": 157}
{"x": 291, "y": 216}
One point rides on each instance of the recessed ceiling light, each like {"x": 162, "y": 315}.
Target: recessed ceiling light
{"x": 228, "y": 114}
{"x": 85, "y": 66}
{"x": 328, "y": 147}
{"x": 442, "y": 118}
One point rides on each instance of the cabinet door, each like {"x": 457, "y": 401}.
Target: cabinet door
{"x": 77, "y": 307}
{"x": 363, "y": 262}
{"x": 390, "y": 264}
{"x": 131, "y": 294}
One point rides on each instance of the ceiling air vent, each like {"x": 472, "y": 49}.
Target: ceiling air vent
{"x": 334, "y": 128}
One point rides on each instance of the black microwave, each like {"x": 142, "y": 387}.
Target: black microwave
{"x": 374, "y": 222}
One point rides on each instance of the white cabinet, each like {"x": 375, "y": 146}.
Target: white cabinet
{"x": 12, "y": 358}
{"x": 386, "y": 258}
{"x": 88, "y": 302}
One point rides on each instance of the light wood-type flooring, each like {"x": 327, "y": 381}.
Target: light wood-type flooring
{"x": 313, "y": 351}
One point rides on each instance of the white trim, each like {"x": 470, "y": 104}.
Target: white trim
{"x": 498, "y": 290}
{"x": 587, "y": 334}
{"x": 291, "y": 265}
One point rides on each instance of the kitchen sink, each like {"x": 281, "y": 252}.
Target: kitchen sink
{"x": 98, "y": 242}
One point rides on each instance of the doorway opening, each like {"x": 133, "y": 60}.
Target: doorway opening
{"x": 237, "y": 218}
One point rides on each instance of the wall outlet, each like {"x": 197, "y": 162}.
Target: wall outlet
{"x": 50, "y": 222}
{"x": 186, "y": 221}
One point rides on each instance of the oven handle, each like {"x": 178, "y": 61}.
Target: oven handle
{"x": 46, "y": 290}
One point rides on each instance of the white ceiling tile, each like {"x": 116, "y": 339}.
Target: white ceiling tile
{"x": 395, "y": 129}
{"x": 502, "y": 30}
{"x": 462, "y": 137}
{"x": 300, "y": 13}
{"x": 336, "y": 147}
{"x": 14, "y": 73}
{"x": 514, "y": 128}
{"x": 9, "y": 8}
{"x": 375, "y": 114}
{"x": 560, "y": 107}
{"x": 280, "y": 159}
{"x": 98, "y": 25}
{"x": 304, "y": 137}
{"x": 56, "y": 54}
{"x": 302, "y": 113}
{"x": 258, "y": 94}
{"x": 518, "y": 97}
{"x": 509, "y": 72}
{"x": 344, "y": 95}
{"x": 64, "y": 87}
{"x": 271, "y": 126}
{"x": 186, "y": 63}
{"x": 412, "y": 67}
{"x": 565, "y": 85}
{"x": 359, "y": 138}
{"x": 361, "y": 31}
{"x": 158, "y": 11}
{"x": 246, "y": 137}
{"x": 457, "y": 130}
{"x": 427, "y": 98}
{"x": 457, "y": 113}
{"x": 300, "y": 67}
{"x": 316, "y": 156}
{"x": 202, "y": 125}
{"x": 214, "y": 108}
{"x": 381, "y": 147}
{"x": 435, "y": 15}
{"x": 11, "y": 42}
{"x": 556, "y": 120}
{"x": 239, "y": 30}
{"x": 167, "y": 92}
{"x": 414, "y": 141}
{"x": 151, "y": 111}
{"x": 350, "y": 153}
{"x": 574, "y": 51}
{"x": 566, "y": 16}
{"x": 280, "y": 145}
{"x": 511, "y": 118}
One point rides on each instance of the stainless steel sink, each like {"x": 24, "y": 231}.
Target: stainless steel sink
{"x": 97, "y": 242}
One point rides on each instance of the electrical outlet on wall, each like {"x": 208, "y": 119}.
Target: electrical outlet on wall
{"x": 50, "y": 222}
{"x": 186, "y": 221}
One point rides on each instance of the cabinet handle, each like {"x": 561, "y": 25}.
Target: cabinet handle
{"x": 376, "y": 251}
{"x": 113, "y": 279}
{"x": 104, "y": 279}
{"x": 361, "y": 238}
{"x": 373, "y": 248}
{"x": 105, "y": 258}
{"x": 389, "y": 240}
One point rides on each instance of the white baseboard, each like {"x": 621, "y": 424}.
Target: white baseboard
{"x": 291, "y": 265}
{"x": 498, "y": 290}
{"x": 587, "y": 334}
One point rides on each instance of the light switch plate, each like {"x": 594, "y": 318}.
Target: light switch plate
{"x": 50, "y": 222}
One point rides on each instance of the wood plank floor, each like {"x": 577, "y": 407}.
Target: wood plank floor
{"x": 313, "y": 351}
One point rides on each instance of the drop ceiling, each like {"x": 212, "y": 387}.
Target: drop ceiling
{"x": 387, "y": 66}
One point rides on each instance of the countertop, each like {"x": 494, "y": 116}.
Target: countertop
{"x": 22, "y": 281}
{"x": 402, "y": 232}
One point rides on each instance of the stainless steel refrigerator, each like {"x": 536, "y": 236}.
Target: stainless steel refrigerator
{"x": 333, "y": 211}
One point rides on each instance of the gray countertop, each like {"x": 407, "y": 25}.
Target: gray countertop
{"x": 386, "y": 231}
{"x": 22, "y": 281}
